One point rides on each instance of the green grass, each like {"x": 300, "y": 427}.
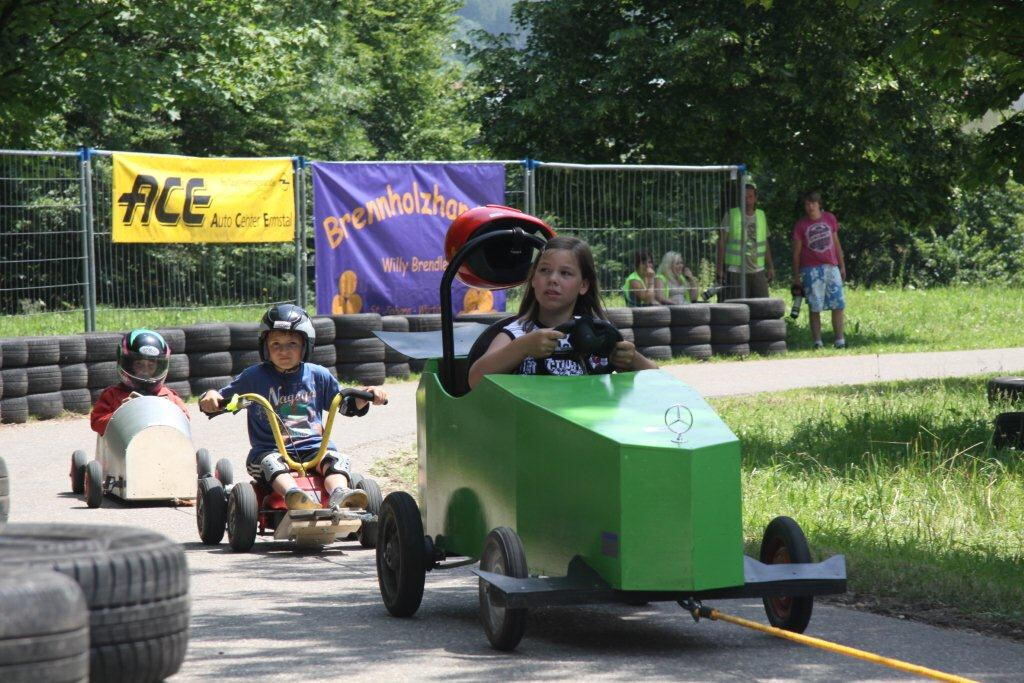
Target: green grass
{"x": 901, "y": 478}
{"x": 120, "y": 320}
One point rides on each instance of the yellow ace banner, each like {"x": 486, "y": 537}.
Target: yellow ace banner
{"x": 187, "y": 199}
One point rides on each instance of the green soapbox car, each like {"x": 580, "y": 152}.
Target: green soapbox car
{"x": 573, "y": 490}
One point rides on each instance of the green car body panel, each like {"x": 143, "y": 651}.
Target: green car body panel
{"x": 584, "y": 466}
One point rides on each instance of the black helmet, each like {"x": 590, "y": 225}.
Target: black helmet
{"x": 147, "y": 346}
{"x": 290, "y": 318}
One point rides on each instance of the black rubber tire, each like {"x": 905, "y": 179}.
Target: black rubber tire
{"x": 15, "y": 382}
{"x": 74, "y": 376}
{"x": 784, "y": 542}
{"x": 175, "y": 338}
{"x": 730, "y": 334}
{"x": 183, "y": 389}
{"x": 177, "y": 367}
{"x": 44, "y": 635}
{"x": 14, "y": 410}
{"x": 394, "y": 323}
{"x": 207, "y": 337}
{"x": 200, "y": 385}
{"x": 620, "y": 317}
{"x": 401, "y": 370}
{"x": 204, "y": 463}
{"x": 401, "y": 555}
{"x": 325, "y": 355}
{"x": 762, "y": 308}
{"x": 482, "y": 318}
{"x": 417, "y": 364}
{"x": 102, "y": 374}
{"x": 689, "y": 315}
{"x": 729, "y": 314}
{"x": 224, "y": 472}
{"x": 424, "y": 322}
{"x": 367, "y": 533}
{"x": 355, "y": 325}
{"x": 5, "y": 493}
{"x": 1009, "y": 431}
{"x": 324, "y": 328}
{"x": 244, "y": 336}
{"x": 242, "y": 517}
{"x": 652, "y": 336}
{"x": 76, "y": 401}
{"x": 72, "y": 349}
{"x": 769, "y": 348}
{"x": 1000, "y": 389}
{"x": 15, "y": 352}
{"x": 693, "y": 334}
{"x": 211, "y": 511}
{"x": 502, "y": 554}
{"x": 45, "y": 406}
{"x": 135, "y": 583}
{"x": 768, "y": 330}
{"x": 730, "y": 349}
{"x": 43, "y": 350}
{"x": 651, "y": 316}
{"x": 359, "y": 350}
{"x": 698, "y": 351}
{"x": 660, "y": 352}
{"x": 101, "y": 346}
{"x": 363, "y": 373}
{"x": 240, "y": 360}
{"x": 209, "y": 364}
{"x": 627, "y": 334}
{"x": 79, "y": 460}
{"x": 93, "y": 484}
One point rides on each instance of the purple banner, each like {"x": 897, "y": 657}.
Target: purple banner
{"x": 380, "y": 235}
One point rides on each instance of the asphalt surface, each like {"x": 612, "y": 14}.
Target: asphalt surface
{"x": 310, "y": 616}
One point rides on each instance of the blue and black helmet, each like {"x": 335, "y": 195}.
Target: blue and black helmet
{"x": 290, "y": 318}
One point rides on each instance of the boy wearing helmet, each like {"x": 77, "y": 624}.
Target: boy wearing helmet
{"x": 300, "y": 392}
{"x": 142, "y": 362}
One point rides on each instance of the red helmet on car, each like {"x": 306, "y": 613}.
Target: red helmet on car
{"x": 498, "y": 263}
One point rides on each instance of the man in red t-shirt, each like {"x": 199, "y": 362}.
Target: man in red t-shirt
{"x": 818, "y": 265}
{"x": 142, "y": 363}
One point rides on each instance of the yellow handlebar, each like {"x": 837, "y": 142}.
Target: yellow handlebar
{"x": 240, "y": 401}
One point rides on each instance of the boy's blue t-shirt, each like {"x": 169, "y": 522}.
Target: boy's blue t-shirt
{"x": 299, "y": 398}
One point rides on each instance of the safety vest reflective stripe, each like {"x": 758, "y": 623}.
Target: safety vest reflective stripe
{"x": 734, "y": 247}
{"x": 627, "y": 292}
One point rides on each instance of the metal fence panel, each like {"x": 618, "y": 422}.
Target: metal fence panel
{"x": 620, "y": 210}
{"x": 41, "y": 227}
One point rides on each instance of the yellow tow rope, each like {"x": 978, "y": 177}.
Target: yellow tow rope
{"x": 714, "y": 614}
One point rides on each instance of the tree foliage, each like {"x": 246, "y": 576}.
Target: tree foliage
{"x": 343, "y": 79}
{"x": 808, "y": 93}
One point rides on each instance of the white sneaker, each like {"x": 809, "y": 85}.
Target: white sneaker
{"x": 343, "y": 497}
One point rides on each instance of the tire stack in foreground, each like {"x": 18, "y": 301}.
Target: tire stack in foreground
{"x": 691, "y": 331}
{"x": 767, "y": 325}
{"x": 395, "y": 364}
{"x": 1009, "y": 425}
{"x": 209, "y": 356}
{"x": 730, "y": 329}
{"x": 324, "y": 352}
{"x": 422, "y": 322}
{"x": 652, "y": 332}
{"x": 360, "y": 354}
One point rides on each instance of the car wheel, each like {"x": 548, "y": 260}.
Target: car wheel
{"x": 503, "y": 554}
{"x": 211, "y": 511}
{"x": 204, "y": 463}
{"x": 94, "y": 484}
{"x": 242, "y": 517}
{"x": 367, "y": 533}
{"x": 78, "y": 462}
{"x": 225, "y": 473}
{"x": 784, "y": 542}
{"x": 401, "y": 554}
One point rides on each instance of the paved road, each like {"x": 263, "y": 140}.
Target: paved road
{"x": 274, "y": 611}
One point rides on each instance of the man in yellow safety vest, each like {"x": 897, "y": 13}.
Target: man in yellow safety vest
{"x": 731, "y": 250}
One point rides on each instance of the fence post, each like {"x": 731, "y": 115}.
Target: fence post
{"x": 743, "y": 232}
{"x": 300, "y": 231}
{"x": 88, "y": 247}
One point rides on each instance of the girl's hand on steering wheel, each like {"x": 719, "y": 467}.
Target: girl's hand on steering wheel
{"x": 540, "y": 343}
{"x": 622, "y": 355}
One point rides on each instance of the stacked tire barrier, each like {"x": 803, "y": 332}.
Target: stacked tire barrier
{"x": 652, "y": 332}
{"x": 730, "y": 329}
{"x": 1009, "y": 425}
{"x": 359, "y": 353}
{"x": 422, "y": 322}
{"x": 395, "y": 364}
{"x": 691, "y": 331}
{"x": 767, "y": 325}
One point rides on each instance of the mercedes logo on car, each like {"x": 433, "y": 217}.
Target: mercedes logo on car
{"x": 679, "y": 420}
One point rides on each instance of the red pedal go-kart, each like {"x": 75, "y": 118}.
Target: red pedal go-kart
{"x": 248, "y": 508}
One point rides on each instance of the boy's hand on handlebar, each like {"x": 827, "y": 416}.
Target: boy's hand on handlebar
{"x": 540, "y": 343}
{"x": 211, "y": 402}
{"x": 380, "y": 397}
{"x": 622, "y": 355}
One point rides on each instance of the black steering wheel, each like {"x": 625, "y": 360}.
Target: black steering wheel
{"x": 588, "y": 336}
